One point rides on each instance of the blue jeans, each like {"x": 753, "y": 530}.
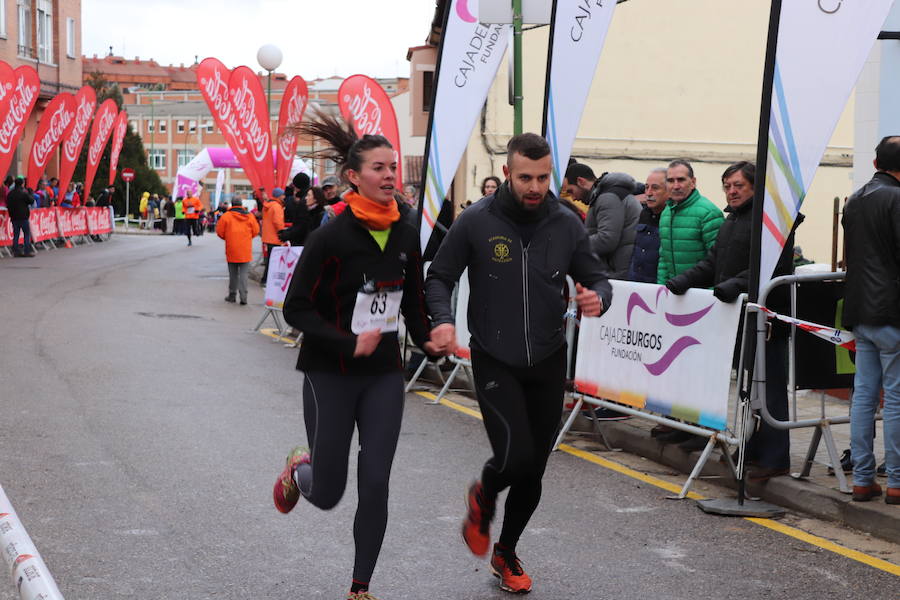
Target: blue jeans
{"x": 877, "y": 366}
{"x": 25, "y": 227}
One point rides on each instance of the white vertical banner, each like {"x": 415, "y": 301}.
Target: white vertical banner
{"x": 220, "y": 183}
{"x": 822, "y": 46}
{"x": 282, "y": 262}
{"x": 470, "y": 54}
{"x": 576, "y": 41}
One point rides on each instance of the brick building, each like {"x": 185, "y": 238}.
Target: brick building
{"x": 45, "y": 34}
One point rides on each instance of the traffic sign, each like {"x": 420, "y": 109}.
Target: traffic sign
{"x": 128, "y": 174}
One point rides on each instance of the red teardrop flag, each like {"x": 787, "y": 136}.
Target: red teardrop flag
{"x": 248, "y": 100}
{"x": 23, "y": 96}
{"x": 100, "y": 132}
{"x": 293, "y": 105}
{"x": 368, "y": 108}
{"x": 85, "y": 103}
{"x": 118, "y": 138}
{"x": 55, "y": 124}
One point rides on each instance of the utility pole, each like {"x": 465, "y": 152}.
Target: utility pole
{"x": 517, "y": 66}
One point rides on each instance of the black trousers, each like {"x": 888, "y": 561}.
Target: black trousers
{"x": 521, "y": 407}
{"x": 333, "y": 404}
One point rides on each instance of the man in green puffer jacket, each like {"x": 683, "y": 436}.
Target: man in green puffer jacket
{"x": 688, "y": 225}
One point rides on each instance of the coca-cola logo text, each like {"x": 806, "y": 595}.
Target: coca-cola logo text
{"x": 365, "y": 112}
{"x": 42, "y": 148}
{"x": 98, "y": 142}
{"x": 296, "y": 106}
{"x": 14, "y": 120}
{"x": 118, "y": 140}
{"x": 83, "y": 115}
{"x": 255, "y": 133}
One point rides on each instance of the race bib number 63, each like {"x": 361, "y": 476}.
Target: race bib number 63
{"x": 376, "y": 310}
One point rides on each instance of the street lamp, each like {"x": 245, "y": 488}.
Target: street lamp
{"x": 269, "y": 58}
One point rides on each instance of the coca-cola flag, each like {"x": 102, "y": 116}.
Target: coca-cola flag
{"x": 212, "y": 77}
{"x": 248, "y": 100}
{"x": 293, "y": 105}
{"x": 100, "y": 132}
{"x": 25, "y": 88}
{"x": 85, "y": 103}
{"x": 118, "y": 138}
{"x": 55, "y": 124}
{"x": 368, "y": 108}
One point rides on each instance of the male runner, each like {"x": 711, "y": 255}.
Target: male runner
{"x": 518, "y": 245}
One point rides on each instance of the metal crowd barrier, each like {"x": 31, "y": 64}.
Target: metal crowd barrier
{"x": 822, "y": 424}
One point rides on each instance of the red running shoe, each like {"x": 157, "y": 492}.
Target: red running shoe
{"x": 507, "y": 567}
{"x": 286, "y": 493}
{"x": 476, "y": 529}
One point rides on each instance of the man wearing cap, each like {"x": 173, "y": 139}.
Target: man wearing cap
{"x": 17, "y": 203}
{"x": 272, "y": 223}
{"x": 332, "y": 199}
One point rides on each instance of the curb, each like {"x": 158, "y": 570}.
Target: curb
{"x": 875, "y": 517}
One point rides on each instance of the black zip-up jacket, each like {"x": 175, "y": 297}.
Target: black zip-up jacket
{"x": 872, "y": 232}
{"x": 726, "y": 266}
{"x": 17, "y": 204}
{"x": 337, "y": 261}
{"x": 517, "y": 299}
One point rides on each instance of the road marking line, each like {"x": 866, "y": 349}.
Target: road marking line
{"x": 787, "y": 530}
{"x": 272, "y": 334}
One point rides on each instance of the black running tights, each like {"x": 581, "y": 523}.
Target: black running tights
{"x": 521, "y": 407}
{"x": 332, "y": 405}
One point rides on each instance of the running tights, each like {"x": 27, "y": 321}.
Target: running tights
{"x": 332, "y": 405}
{"x": 521, "y": 407}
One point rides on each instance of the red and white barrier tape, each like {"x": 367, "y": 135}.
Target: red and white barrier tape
{"x": 838, "y": 337}
{"x": 26, "y": 567}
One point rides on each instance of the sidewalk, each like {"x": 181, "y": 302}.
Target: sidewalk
{"x": 818, "y": 496}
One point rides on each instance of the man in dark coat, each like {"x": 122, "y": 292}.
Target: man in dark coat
{"x": 872, "y": 311}
{"x": 726, "y": 268}
{"x": 18, "y": 203}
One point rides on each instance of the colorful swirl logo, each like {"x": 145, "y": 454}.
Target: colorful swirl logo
{"x": 462, "y": 9}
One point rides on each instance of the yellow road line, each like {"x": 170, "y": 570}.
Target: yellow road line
{"x": 273, "y": 333}
{"x": 787, "y": 530}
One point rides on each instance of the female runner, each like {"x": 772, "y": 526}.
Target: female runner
{"x": 355, "y": 276}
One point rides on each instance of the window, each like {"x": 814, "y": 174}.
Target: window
{"x": 45, "y": 30}
{"x": 157, "y": 160}
{"x": 162, "y": 126}
{"x": 210, "y": 128}
{"x": 133, "y": 125}
{"x": 149, "y": 126}
{"x": 25, "y": 44}
{"x": 180, "y": 127}
{"x": 185, "y": 156}
{"x": 192, "y": 127}
{"x": 427, "y": 90}
{"x": 3, "y": 18}
{"x": 70, "y": 38}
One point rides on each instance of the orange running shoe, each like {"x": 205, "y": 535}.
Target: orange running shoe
{"x": 286, "y": 493}
{"x": 507, "y": 567}
{"x": 476, "y": 528}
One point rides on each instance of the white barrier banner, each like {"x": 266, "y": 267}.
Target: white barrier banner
{"x": 577, "y": 37}
{"x": 822, "y": 47}
{"x": 30, "y": 575}
{"x": 282, "y": 261}
{"x": 470, "y": 55}
{"x": 660, "y": 352}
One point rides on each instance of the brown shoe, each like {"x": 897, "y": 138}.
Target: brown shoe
{"x": 864, "y": 493}
{"x": 892, "y": 496}
{"x": 765, "y": 473}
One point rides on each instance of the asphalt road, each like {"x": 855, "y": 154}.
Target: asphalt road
{"x": 143, "y": 426}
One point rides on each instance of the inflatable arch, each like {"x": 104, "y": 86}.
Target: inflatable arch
{"x": 188, "y": 176}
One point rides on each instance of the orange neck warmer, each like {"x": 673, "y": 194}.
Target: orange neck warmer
{"x": 374, "y": 215}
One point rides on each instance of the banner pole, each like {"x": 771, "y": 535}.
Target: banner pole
{"x": 127, "y": 200}
{"x": 517, "y": 66}
{"x": 549, "y": 69}
{"x": 434, "y": 89}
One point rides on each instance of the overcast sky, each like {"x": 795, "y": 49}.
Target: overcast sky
{"x": 319, "y": 38}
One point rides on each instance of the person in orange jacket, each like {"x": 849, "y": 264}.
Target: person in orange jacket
{"x": 238, "y": 228}
{"x": 192, "y": 208}
{"x": 272, "y": 223}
